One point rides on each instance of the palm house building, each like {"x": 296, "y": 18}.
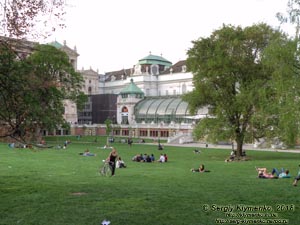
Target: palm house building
{"x": 142, "y": 102}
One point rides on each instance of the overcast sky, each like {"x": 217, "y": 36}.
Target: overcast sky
{"x": 114, "y": 34}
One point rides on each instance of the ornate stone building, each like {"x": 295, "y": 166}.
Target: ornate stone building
{"x": 149, "y": 103}
{"x": 70, "y": 114}
{"x": 142, "y": 101}
{"x": 154, "y": 75}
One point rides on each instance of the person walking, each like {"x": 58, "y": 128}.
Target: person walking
{"x": 112, "y": 160}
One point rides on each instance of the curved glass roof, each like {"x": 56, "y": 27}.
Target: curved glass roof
{"x": 161, "y": 109}
{"x": 152, "y": 110}
{"x": 182, "y": 109}
{"x": 143, "y": 106}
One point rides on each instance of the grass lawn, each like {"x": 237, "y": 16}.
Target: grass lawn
{"x": 60, "y": 187}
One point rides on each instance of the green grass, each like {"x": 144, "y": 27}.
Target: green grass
{"x": 40, "y": 186}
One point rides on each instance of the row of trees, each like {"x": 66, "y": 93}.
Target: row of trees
{"x": 250, "y": 79}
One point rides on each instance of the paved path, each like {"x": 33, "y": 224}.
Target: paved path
{"x": 246, "y": 146}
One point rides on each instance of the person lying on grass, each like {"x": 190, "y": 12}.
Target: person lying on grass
{"x": 87, "y": 153}
{"x": 281, "y": 174}
{"x": 263, "y": 173}
{"x": 201, "y": 169}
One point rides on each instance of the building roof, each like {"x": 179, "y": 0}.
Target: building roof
{"x": 118, "y": 75}
{"x": 154, "y": 59}
{"x": 56, "y": 44}
{"x": 64, "y": 48}
{"x": 161, "y": 107}
{"x": 150, "y": 59}
{"x": 131, "y": 89}
{"x": 178, "y": 67}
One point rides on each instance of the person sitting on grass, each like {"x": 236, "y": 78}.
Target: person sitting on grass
{"x": 231, "y": 157}
{"x": 152, "y": 157}
{"x": 166, "y": 157}
{"x": 197, "y": 151}
{"x": 161, "y": 158}
{"x": 120, "y": 163}
{"x": 137, "y": 158}
{"x": 148, "y": 159}
{"x": 201, "y": 169}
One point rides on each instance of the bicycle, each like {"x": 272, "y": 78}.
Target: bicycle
{"x": 105, "y": 170}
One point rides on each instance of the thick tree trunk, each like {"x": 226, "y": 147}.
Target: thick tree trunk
{"x": 239, "y": 148}
{"x": 239, "y": 144}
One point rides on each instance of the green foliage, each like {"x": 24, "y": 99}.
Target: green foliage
{"x": 57, "y": 187}
{"x": 284, "y": 88}
{"x": 108, "y": 124}
{"x": 228, "y": 77}
{"x": 34, "y": 88}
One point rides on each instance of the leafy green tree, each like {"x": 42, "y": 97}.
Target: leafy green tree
{"x": 33, "y": 90}
{"x": 283, "y": 56}
{"x": 229, "y": 78}
{"x": 108, "y": 124}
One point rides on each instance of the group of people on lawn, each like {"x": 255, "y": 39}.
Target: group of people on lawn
{"x": 115, "y": 161}
{"x": 150, "y": 158}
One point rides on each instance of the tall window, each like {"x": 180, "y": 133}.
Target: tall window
{"x": 183, "y": 88}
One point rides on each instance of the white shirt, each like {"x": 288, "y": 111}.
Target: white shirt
{"x": 161, "y": 159}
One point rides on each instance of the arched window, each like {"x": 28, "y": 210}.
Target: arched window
{"x": 154, "y": 70}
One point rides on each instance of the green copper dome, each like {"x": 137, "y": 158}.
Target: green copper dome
{"x": 56, "y": 44}
{"x": 132, "y": 89}
{"x": 154, "y": 59}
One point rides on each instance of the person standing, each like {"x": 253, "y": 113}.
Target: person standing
{"x": 112, "y": 160}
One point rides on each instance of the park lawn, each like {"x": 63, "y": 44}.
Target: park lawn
{"x": 60, "y": 187}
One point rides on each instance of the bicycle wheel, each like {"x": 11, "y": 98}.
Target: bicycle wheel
{"x": 106, "y": 170}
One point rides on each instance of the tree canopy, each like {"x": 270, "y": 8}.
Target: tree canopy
{"x": 230, "y": 78}
{"x": 33, "y": 89}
